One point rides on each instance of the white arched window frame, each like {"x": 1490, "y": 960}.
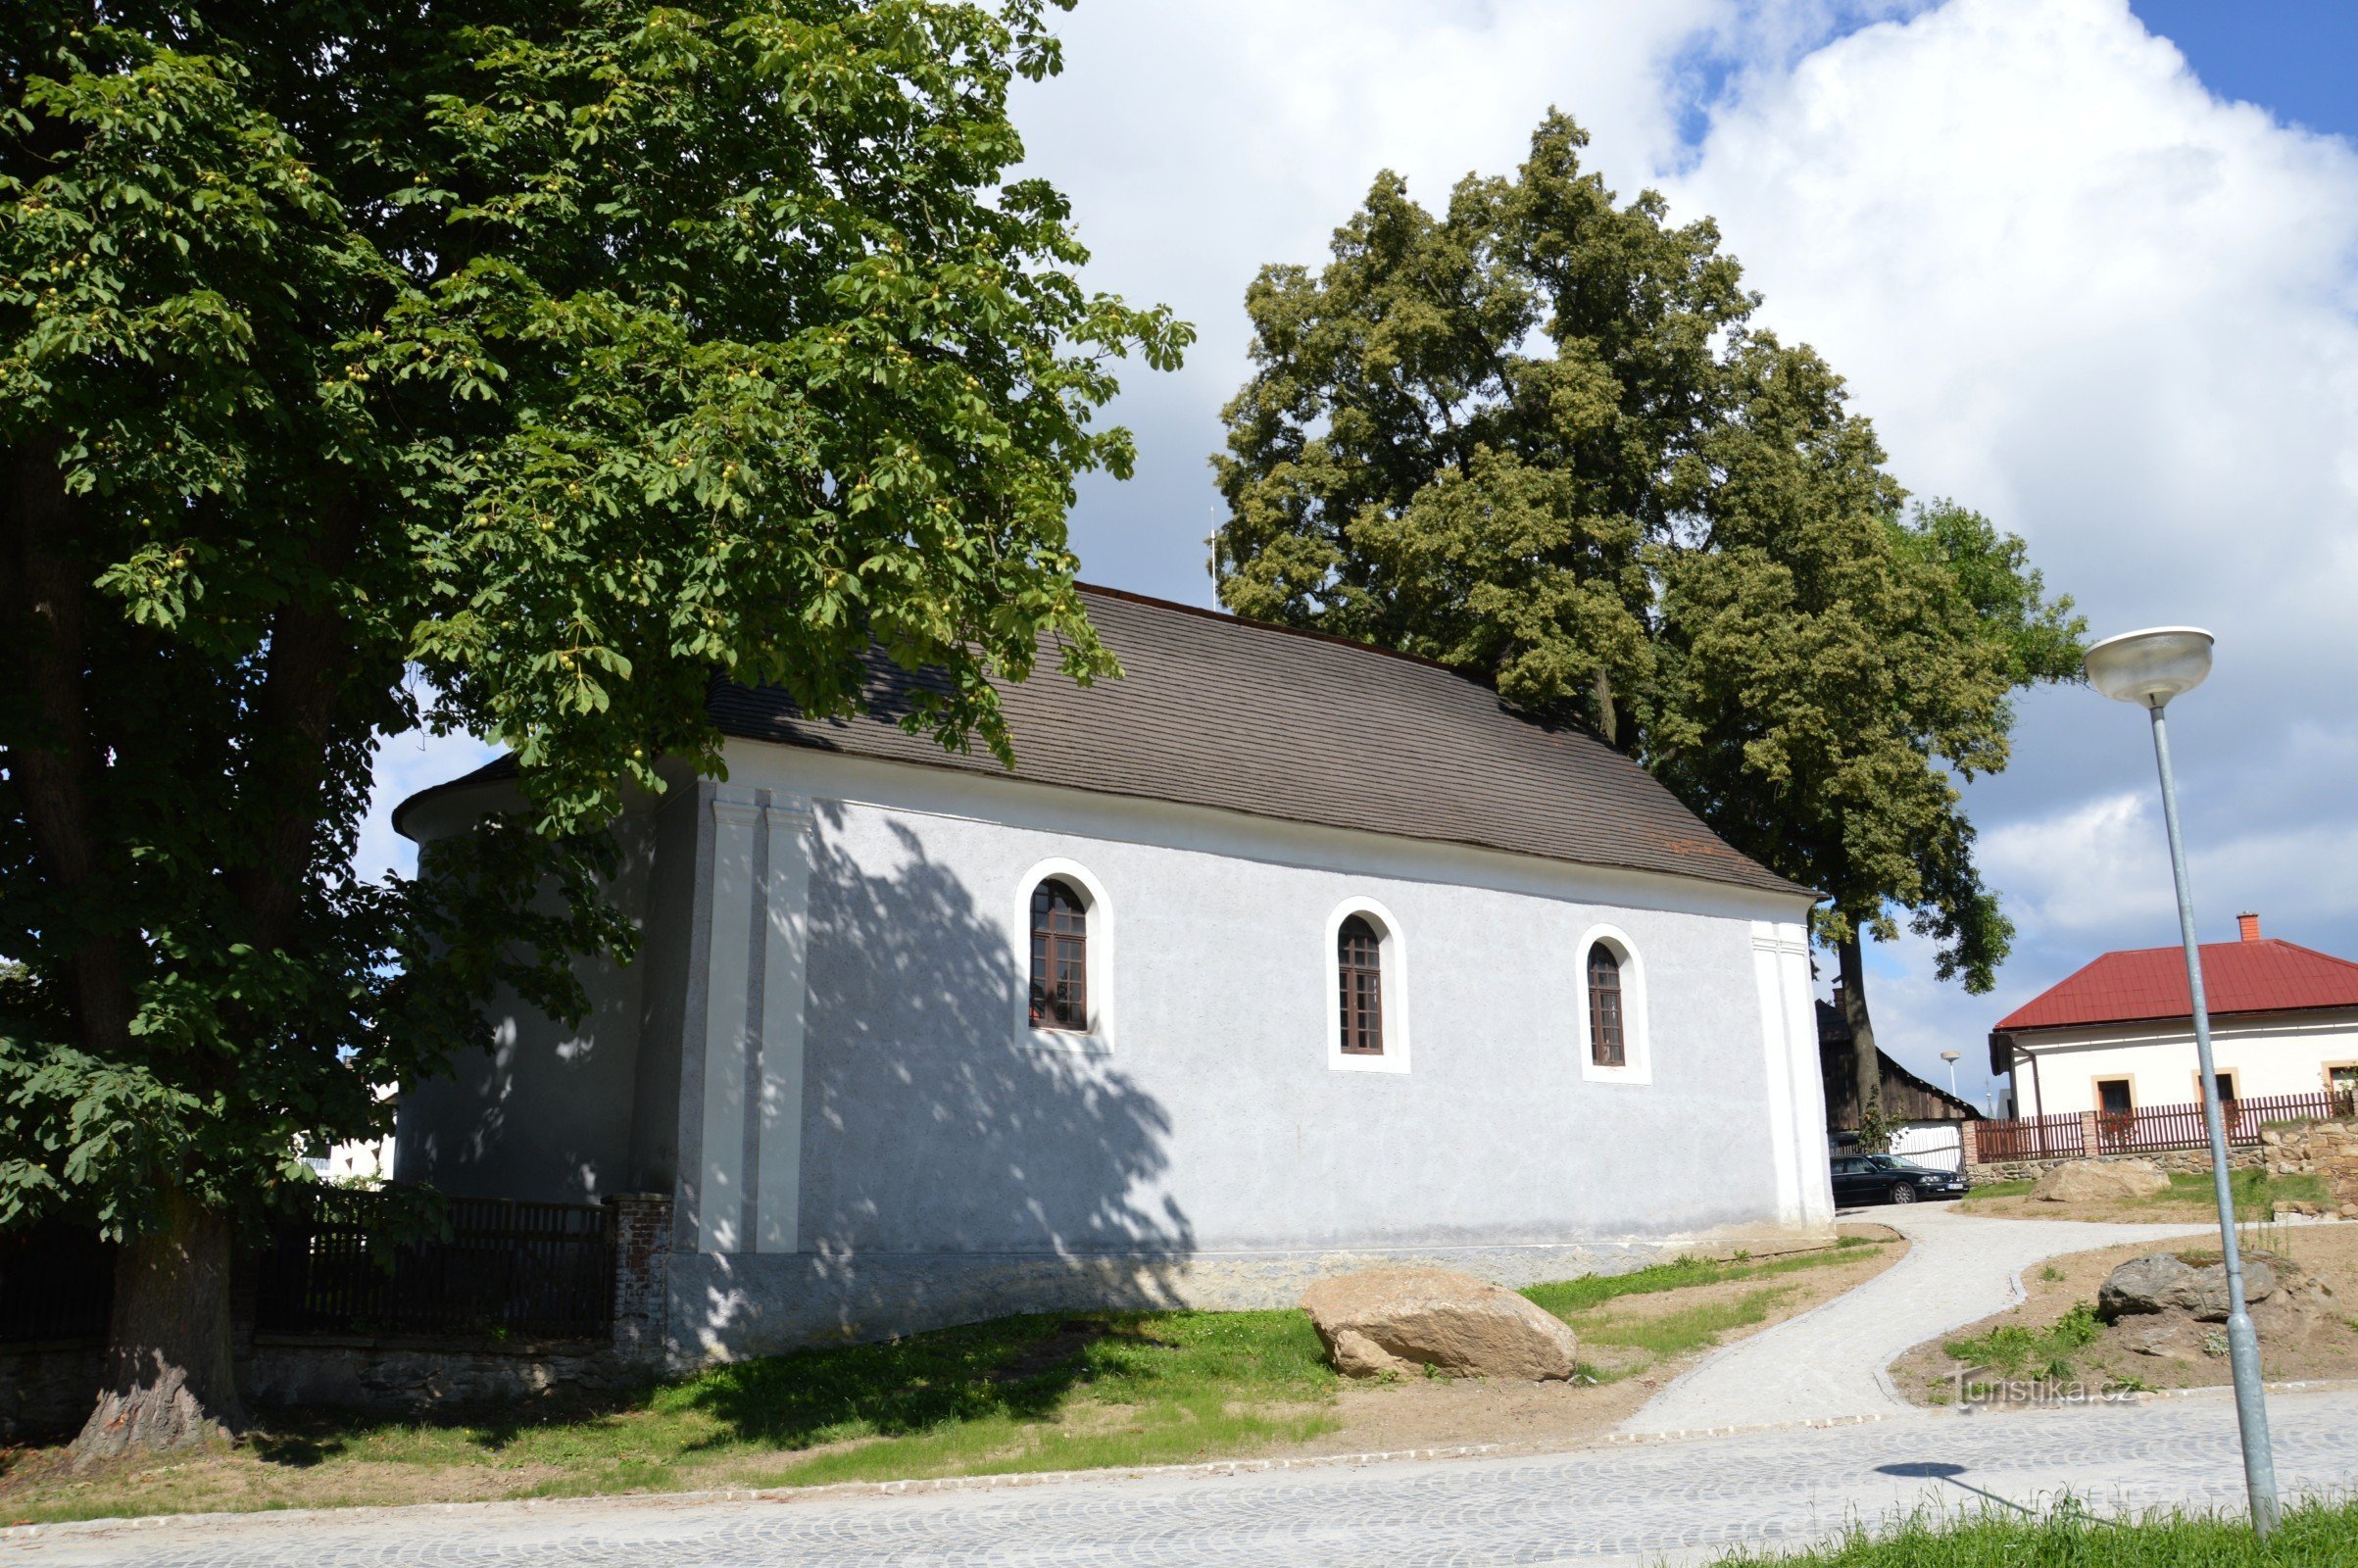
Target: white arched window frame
{"x": 1392, "y": 948}
{"x": 1638, "y": 1064}
{"x": 1098, "y": 960}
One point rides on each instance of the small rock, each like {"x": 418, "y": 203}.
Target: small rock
{"x": 2164, "y": 1283}
{"x": 1401, "y": 1320}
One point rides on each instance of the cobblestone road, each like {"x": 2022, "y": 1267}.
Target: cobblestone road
{"x": 1677, "y": 1500}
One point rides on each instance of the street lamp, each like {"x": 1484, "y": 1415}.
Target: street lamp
{"x": 2150, "y": 668}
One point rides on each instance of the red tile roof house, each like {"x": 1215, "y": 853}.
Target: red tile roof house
{"x": 2119, "y": 1033}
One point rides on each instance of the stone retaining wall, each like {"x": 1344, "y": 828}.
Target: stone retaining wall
{"x": 2326, "y": 1149}
{"x": 2185, "y": 1162}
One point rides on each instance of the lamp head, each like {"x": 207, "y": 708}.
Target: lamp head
{"x": 2150, "y": 668}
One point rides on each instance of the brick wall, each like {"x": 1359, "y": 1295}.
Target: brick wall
{"x": 640, "y": 1226}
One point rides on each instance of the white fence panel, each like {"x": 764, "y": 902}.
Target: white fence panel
{"x": 1936, "y": 1144}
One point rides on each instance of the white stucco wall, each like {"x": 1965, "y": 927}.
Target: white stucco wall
{"x": 1207, "y": 1114}
{"x": 540, "y": 1110}
{"x": 828, "y": 1007}
{"x": 2275, "y": 1054}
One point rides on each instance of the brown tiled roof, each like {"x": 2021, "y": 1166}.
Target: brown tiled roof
{"x": 1228, "y": 713}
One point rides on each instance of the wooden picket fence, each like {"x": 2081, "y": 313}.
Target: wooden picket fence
{"x": 2150, "y": 1129}
{"x": 2059, "y": 1137}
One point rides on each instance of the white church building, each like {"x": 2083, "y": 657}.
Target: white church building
{"x": 1278, "y": 956}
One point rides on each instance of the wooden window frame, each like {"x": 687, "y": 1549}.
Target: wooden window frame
{"x": 1608, "y": 1031}
{"x": 1637, "y": 1048}
{"x": 1359, "y": 968}
{"x": 1058, "y": 956}
{"x": 1391, "y": 961}
{"x": 1100, "y": 972}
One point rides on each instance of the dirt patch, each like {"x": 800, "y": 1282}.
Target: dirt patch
{"x": 234, "y": 1481}
{"x": 1927, "y": 1374}
{"x": 1435, "y": 1412}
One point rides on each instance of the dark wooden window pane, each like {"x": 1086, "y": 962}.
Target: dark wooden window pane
{"x": 1359, "y": 961}
{"x": 1608, "y": 1047}
{"x": 1059, "y": 957}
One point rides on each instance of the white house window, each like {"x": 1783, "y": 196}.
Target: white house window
{"x": 1367, "y": 999}
{"x": 1609, "y": 1007}
{"x": 1063, "y": 928}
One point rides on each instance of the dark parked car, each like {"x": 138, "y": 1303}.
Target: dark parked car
{"x": 1888, "y": 1179}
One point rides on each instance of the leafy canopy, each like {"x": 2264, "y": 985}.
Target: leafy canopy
{"x": 510, "y": 367}
{"x": 1538, "y": 438}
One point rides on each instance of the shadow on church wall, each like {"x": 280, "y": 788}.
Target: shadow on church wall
{"x": 952, "y": 1169}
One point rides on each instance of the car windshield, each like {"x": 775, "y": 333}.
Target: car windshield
{"x": 1894, "y": 1162}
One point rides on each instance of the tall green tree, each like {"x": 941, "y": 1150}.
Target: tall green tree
{"x": 545, "y": 359}
{"x": 1538, "y": 438}
{"x": 1461, "y": 436}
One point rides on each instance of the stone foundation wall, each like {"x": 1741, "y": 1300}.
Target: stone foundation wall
{"x": 730, "y": 1306}
{"x": 2326, "y": 1149}
{"x": 406, "y": 1376}
{"x": 47, "y": 1390}
{"x": 2185, "y": 1161}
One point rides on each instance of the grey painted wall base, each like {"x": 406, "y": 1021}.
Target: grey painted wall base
{"x": 729, "y": 1305}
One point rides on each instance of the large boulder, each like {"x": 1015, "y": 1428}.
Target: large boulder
{"x": 1402, "y": 1321}
{"x": 2099, "y": 1181}
{"x": 2164, "y": 1283}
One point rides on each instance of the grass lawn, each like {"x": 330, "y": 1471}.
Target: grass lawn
{"x": 1069, "y": 1391}
{"x": 2319, "y": 1536}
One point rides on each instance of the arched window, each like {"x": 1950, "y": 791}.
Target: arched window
{"x": 1608, "y": 1045}
{"x": 1359, "y": 963}
{"x": 1059, "y": 957}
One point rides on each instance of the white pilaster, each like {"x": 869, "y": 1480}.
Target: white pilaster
{"x": 787, "y": 908}
{"x": 1769, "y": 984}
{"x": 1808, "y": 1079}
{"x": 727, "y": 1043}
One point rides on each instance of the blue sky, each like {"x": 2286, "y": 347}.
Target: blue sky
{"x": 2293, "y": 57}
{"x": 2091, "y": 267}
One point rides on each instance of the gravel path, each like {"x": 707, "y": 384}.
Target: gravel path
{"x": 1829, "y": 1363}
{"x": 1678, "y": 1501}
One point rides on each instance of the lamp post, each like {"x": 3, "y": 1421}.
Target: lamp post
{"x": 2148, "y": 669}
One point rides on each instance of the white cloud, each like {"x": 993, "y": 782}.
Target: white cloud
{"x": 2099, "y": 868}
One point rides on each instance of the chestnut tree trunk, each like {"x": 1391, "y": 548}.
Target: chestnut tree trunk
{"x": 169, "y": 1381}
